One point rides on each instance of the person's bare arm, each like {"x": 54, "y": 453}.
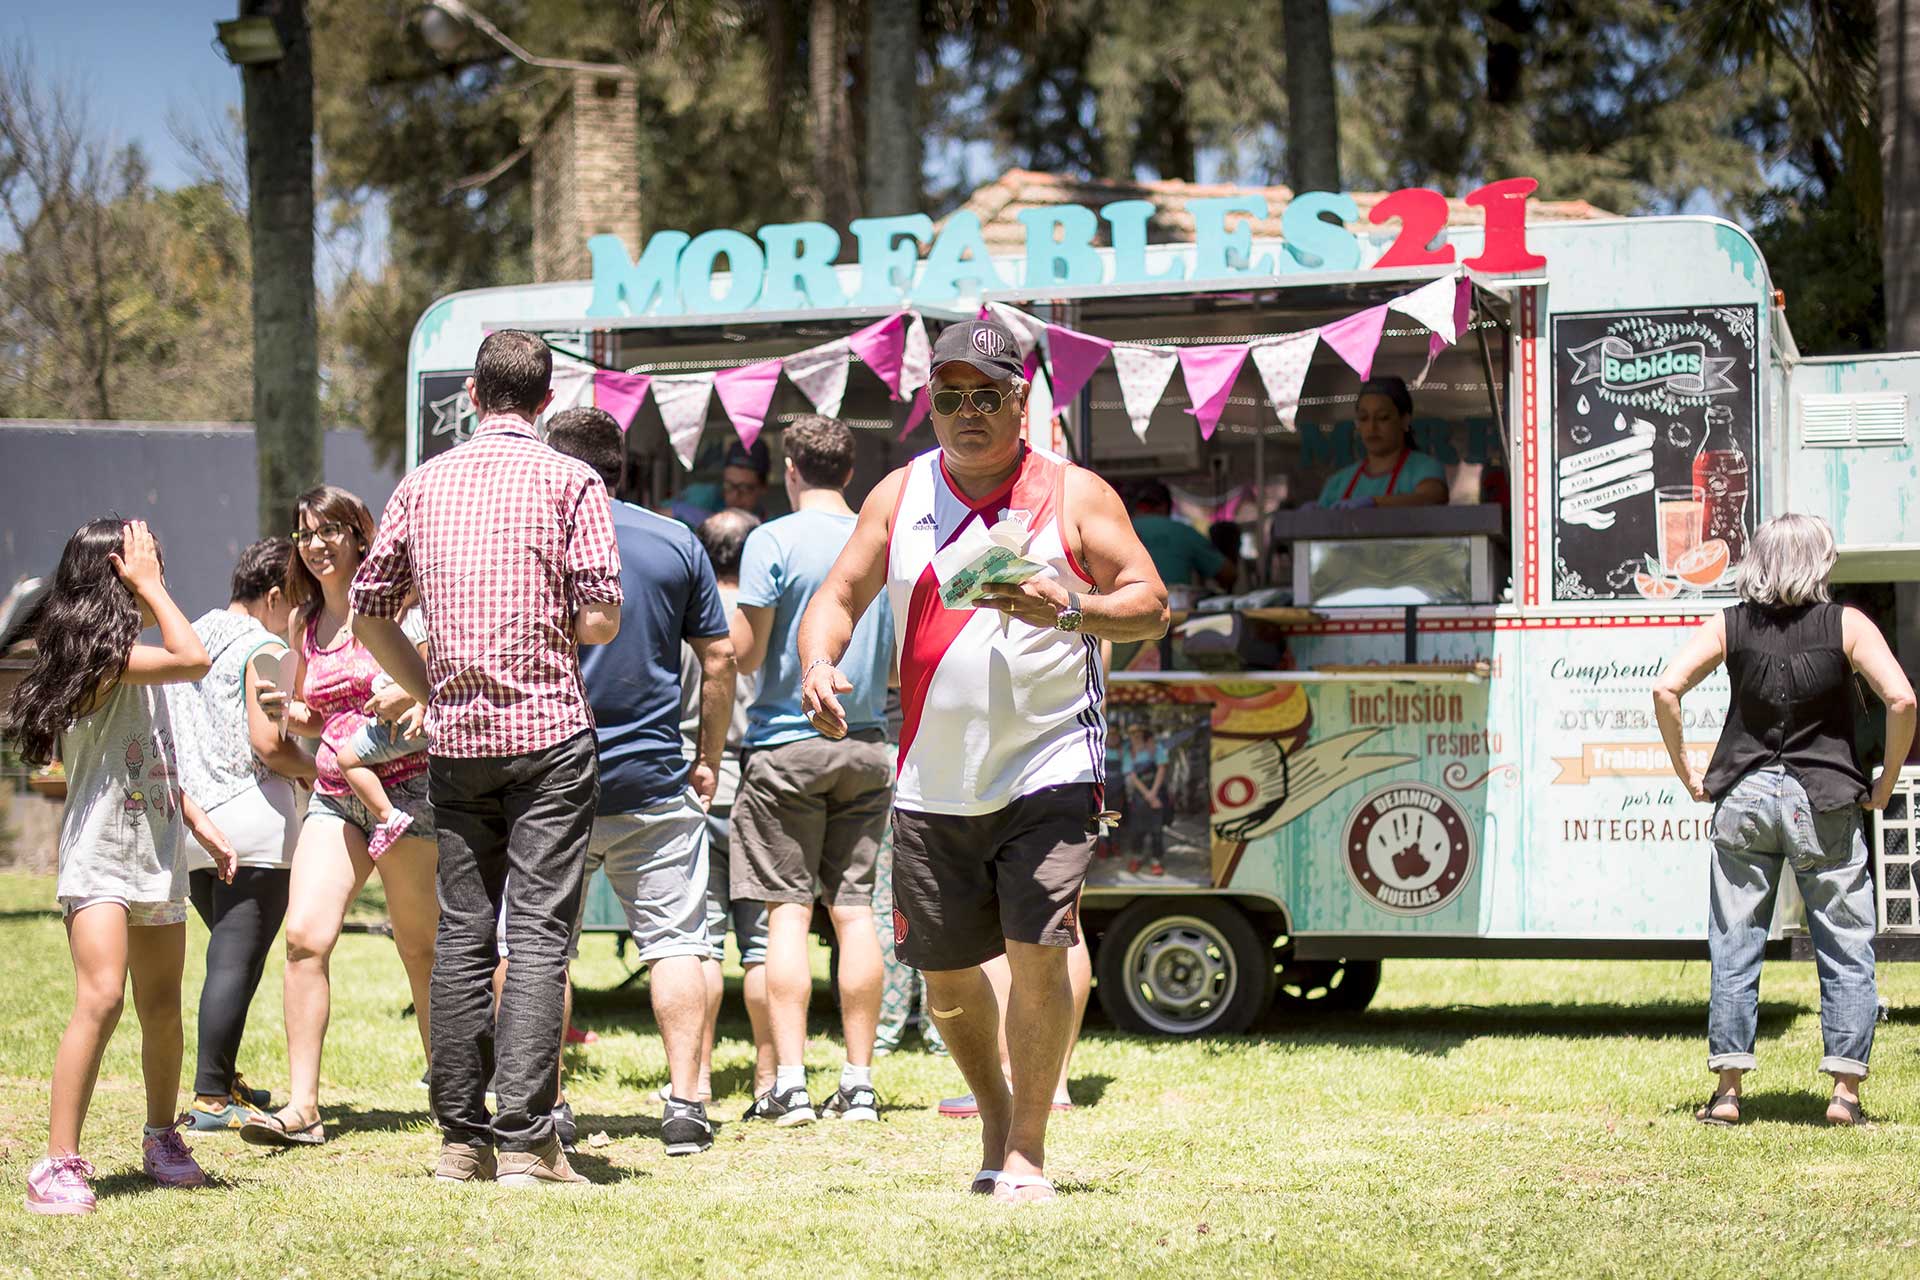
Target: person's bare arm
{"x": 1132, "y": 601}
{"x": 593, "y": 623}
{"x": 265, "y": 735}
{"x": 826, "y": 628}
{"x": 1428, "y": 493}
{"x": 751, "y": 625}
{"x": 302, "y": 720}
{"x": 211, "y": 838}
{"x": 179, "y": 657}
{"x": 1704, "y": 651}
{"x": 396, "y": 654}
{"x": 1868, "y": 652}
{"x": 716, "y": 710}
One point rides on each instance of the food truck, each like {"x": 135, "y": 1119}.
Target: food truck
{"x": 1406, "y": 731}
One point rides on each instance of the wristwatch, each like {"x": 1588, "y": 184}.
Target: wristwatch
{"x": 1069, "y": 618}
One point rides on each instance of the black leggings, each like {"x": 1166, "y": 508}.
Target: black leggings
{"x": 244, "y": 917}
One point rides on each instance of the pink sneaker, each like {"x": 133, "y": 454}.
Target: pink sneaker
{"x": 58, "y": 1184}
{"x": 169, "y": 1161}
{"x": 386, "y": 833}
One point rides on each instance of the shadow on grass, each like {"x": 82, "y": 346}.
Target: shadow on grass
{"x": 1441, "y": 1029}
{"x": 30, "y": 913}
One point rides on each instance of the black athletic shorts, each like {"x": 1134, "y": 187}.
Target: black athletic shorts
{"x": 964, "y": 884}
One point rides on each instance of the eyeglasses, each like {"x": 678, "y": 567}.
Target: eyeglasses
{"x": 330, "y": 532}
{"x": 986, "y": 400}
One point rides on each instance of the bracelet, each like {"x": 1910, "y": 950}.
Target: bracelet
{"x": 817, "y": 662}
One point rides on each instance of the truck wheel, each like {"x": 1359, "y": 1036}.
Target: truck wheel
{"x": 1184, "y": 967}
{"x": 1308, "y": 987}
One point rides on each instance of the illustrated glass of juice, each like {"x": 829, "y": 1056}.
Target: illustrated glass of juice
{"x": 1720, "y": 474}
{"x": 1679, "y": 514}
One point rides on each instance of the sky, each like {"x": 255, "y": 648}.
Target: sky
{"x": 136, "y": 64}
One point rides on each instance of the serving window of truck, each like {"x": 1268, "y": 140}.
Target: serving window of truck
{"x": 1378, "y": 729}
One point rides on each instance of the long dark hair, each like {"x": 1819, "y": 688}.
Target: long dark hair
{"x": 83, "y": 632}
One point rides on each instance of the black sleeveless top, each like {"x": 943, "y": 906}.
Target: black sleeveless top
{"x": 1792, "y": 703}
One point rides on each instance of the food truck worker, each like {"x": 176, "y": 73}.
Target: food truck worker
{"x": 1004, "y": 735}
{"x": 1180, "y": 552}
{"x": 1391, "y": 473}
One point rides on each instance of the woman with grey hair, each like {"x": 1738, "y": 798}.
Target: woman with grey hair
{"x": 1788, "y": 788}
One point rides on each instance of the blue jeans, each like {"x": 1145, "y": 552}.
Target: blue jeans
{"x": 1762, "y": 826}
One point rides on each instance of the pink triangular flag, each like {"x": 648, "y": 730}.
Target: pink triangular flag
{"x": 1075, "y": 356}
{"x": 745, "y": 392}
{"x": 1432, "y": 305}
{"x": 821, "y": 375}
{"x": 1143, "y": 377}
{"x": 916, "y": 357}
{"x": 1209, "y": 372}
{"x": 1357, "y": 337}
{"x": 881, "y": 346}
{"x": 620, "y": 394}
{"x": 682, "y": 400}
{"x": 1283, "y": 366}
{"x": 918, "y": 414}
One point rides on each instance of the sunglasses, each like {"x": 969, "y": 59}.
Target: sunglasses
{"x": 986, "y": 400}
{"x": 330, "y": 532}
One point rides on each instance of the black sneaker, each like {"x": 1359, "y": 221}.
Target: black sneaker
{"x": 565, "y": 1127}
{"x": 685, "y": 1128}
{"x": 857, "y": 1103}
{"x": 784, "y": 1109}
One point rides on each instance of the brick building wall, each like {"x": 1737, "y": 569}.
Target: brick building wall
{"x": 585, "y": 175}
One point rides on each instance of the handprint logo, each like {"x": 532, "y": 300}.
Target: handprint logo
{"x": 1403, "y": 835}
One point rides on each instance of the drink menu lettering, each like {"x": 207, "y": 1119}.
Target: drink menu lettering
{"x": 1654, "y": 494}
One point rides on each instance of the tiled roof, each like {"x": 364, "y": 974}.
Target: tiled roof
{"x": 1001, "y": 201}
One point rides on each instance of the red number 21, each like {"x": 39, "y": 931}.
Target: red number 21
{"x": 1423, "y": 214}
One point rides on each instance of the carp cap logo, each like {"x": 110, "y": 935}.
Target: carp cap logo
{"x": 990, "y": 343}
{"x": 1408, "y": 849}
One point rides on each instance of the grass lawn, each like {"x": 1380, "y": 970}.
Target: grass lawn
{"x": 1483, "y": 1118}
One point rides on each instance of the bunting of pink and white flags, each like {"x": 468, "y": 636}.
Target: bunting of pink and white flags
{"x": 682, "y": 399}
{"x": 620, "y": 394}
{"x": 916, "y": 358}
{"x": 1209, "y": 374}
{"x": 745, "y": 392}
{"x": 1283, "y": 365}
{"x": 821, "y": 375}
{"x": 1433, "y": 306}
{"x": 1143, "y": 379}
{"x": 572, "y": 387}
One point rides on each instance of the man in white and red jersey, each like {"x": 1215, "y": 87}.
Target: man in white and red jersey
{"x": 1003, "y": 746}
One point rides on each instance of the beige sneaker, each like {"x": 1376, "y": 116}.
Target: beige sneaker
{"x": 460, "y": 1162}
{"x": 546, "y": 1166}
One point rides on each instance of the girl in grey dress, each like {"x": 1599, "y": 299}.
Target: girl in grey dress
{"x": 94, "y": 699}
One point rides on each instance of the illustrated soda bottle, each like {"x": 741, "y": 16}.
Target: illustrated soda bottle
{"x": 1720, "y": 469}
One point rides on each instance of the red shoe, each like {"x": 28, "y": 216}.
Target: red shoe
{"x": 576, "y": 1035}
{"x": 1156, "y": 870}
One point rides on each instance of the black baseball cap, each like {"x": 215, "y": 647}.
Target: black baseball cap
{"x": 987, "y": 345}
{"x": 756, "y": 457}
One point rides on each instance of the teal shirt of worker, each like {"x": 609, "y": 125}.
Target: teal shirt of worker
{"x": 1181, "y": 553}
{"x": 1391, "y": 472}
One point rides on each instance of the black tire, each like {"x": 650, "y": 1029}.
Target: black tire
{"x": 1184, "y": 967}
{"x": 1305, "y": 988}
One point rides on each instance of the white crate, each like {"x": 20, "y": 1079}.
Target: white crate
{"x": 1896, "y": 860}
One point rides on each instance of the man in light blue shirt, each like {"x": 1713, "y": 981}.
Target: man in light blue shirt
{"x": 811, "y": 809}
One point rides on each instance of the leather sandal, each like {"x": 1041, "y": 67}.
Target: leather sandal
{"x": 1855, "y": 1115}
{"x": 272, "y": 1131}
{"x": 1705, "y": 1115}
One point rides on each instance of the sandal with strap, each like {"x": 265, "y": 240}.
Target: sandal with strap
{"x": 983, "y": 1182}
{"x": 1705, "y": 1115}
{"x": 1855, "y": 1116}
{"x": 272, "y": 1131}
{"x": 1022, "y": 1188}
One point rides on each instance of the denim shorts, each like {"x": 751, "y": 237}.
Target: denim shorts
{"x": 410, "y": 797}
{"x": 380, "y": 741}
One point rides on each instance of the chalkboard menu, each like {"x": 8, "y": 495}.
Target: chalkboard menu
{"x": 1654, "y": 489}
{"x": 446, "y": 415}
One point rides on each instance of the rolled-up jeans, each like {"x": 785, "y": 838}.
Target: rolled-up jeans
{"x": 1762, "y": 826}
{"x": 532, "y": 814}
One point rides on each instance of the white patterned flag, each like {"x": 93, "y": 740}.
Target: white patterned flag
{"x": 1143, "y": 378}
{"x": 682, "y": 400}
{"x": 821, "y": 375}
{"x": 1283, "y": 366}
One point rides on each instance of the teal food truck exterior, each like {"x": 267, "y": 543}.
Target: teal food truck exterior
{"x": 1411, "y": 771}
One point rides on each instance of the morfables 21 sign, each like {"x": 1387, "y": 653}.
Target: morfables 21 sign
{"x": 791, "y": 266}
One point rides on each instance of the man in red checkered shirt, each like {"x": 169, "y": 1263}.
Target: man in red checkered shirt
{"x": 511, "y": 550}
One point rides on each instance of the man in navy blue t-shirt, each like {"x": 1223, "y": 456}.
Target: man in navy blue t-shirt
{"x": 651, "y": 832}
